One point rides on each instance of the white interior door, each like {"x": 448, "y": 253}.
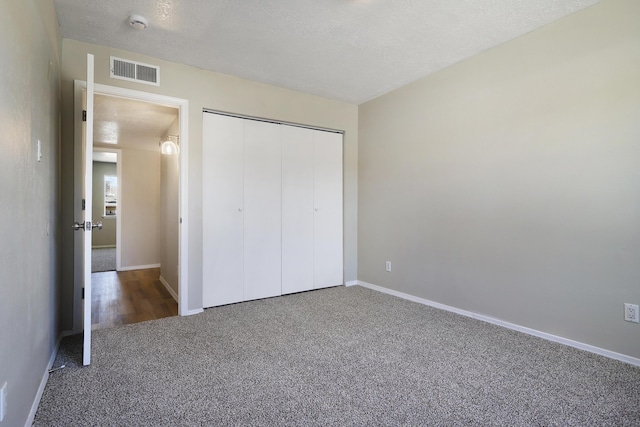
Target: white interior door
{"x": 87, "y": 160}
{"x": 297, "y": 209}
{"x": 328, "y": 260}
{"x": 262, "y": 209}
{"x": 223, "y": 205}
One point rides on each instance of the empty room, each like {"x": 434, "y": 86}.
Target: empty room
{"x": 363, "y": 212}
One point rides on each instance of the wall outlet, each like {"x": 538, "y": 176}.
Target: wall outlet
{"x": 3, "y": 401}
{"x": 387, "y": 266}
{"x": 631, "y": 313}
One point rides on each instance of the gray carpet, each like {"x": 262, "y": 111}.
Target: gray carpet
{"x": 334, "y": 357}
{"x": 103, "y": 259}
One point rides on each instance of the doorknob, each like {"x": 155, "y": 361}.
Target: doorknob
{"x": 87, "y": 226}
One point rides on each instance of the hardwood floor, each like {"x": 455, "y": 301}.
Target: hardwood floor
{"x": 120, "y": 298}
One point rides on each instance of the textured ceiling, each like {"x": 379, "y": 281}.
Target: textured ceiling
{"x": 119, "y": 122}
{"x": 349, "y": 50}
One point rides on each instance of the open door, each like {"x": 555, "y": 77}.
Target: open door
{"x": 87, "y": 225}
{"x": 87, "y": 161}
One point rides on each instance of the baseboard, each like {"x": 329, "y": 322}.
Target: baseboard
{"x": 175, "y": 296}
{"x": 169, "y": 288}
{"x": 351, "y": 283}
{"x": 192, "y": 312}
{"x": 139, "y": 267}
{"x": 571, "y": 343}
{"x": 103, "y": 247}
{"x": 45, "y": 378}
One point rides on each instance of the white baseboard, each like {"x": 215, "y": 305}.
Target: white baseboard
{"x": 571, "y": 343}
{"x": 192, "y": 312}
{"x": 45, "y": 378}
{"x": 139, "y": 267}
{"x": 169, "y": 288}
{"x": 103, "y": 247}
{"x": 351, "y": 283}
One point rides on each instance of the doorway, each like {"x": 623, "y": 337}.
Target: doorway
{"x": 107, "y": 174}
{"x": 142, "y": 201}
{"x": 133, "y": 264}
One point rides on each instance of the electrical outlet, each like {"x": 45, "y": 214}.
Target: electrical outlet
{"x": 631, "y": 313}
{"x": 3, "y": 401}
{"x": 388, "y": 266}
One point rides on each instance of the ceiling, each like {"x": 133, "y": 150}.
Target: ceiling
{"x": 126, "y": 123}
{"x": 348, "y": 50}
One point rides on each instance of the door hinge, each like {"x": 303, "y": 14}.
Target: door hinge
{"x": 84, "y": 204}
{"x": 84, "y": 115}
{"x": 82, "y": 293}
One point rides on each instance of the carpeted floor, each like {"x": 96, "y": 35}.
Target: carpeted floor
{"x": 103, "y": 259}
{"x": 339, "y": 356}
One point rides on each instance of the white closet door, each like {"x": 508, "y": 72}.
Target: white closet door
{"x": 297, "y": 209}
{"x": 328, "y": 270}
{"x": 263, "y": 210}
{"x": 222, "y": 243}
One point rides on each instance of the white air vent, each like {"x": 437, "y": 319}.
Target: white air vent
{"x": 135, "y": 71}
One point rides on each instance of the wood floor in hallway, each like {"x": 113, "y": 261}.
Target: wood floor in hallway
{"x": 120, "y": 298}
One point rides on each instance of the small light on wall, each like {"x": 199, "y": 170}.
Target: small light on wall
{"x": 168, "y": 146}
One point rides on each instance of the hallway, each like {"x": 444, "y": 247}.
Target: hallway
{"x": 121, "y": 298}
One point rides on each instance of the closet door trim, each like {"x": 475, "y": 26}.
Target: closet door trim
{"x": 278, "y": 122}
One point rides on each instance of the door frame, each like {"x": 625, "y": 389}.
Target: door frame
{"x": 183, "y": 192}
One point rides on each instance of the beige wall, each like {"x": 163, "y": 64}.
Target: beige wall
{"x": 106, "y": 236}
{"x": 509, "y": 184}
{"x": 140, "y": 208}
{"x": 29, "y": 191}
{"x": 169, "y": 215}
{"x": 205, "y": 89}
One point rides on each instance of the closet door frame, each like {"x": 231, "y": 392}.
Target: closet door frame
{"x": 327, "y": 262}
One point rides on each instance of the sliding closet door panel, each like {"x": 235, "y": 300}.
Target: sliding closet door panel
{"x": 328, "y": 269}
{"x": 297, "y": 209}
{"x": 222, "y": 199}
{"x": 263, "y": 207}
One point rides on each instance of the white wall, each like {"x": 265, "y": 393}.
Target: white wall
{"x": 30, "y": 196}
{"x": 140, "y": 208}
{"x": 509, "y": 184}
{"x": 205, "y": 89}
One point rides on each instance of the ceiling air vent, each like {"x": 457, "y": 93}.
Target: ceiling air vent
{"x": 135, "y": 71}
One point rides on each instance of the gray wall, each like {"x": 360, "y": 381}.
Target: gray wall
{"x": 106, "y": 236}
{"x": 169, "y": 214}
{"x": 204, "y": 89}
{"x": 509, "y": 184}
{"x": 30, "y": 195}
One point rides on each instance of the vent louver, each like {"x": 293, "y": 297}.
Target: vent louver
{"x": 134, "y": 71}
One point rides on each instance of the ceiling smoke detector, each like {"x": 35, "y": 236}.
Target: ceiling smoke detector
{"x": 138, "y": 22}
